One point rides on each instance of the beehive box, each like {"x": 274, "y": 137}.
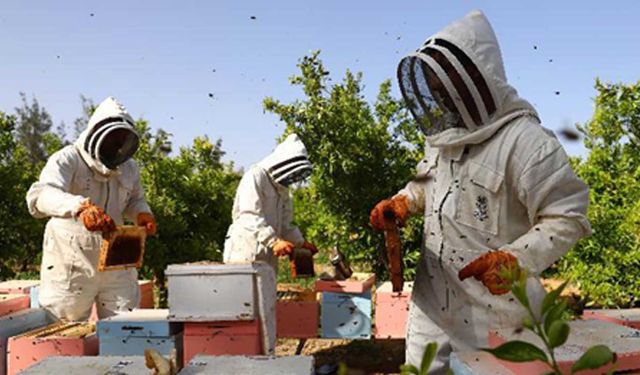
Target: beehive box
{"x": 18, "y": 286}
{"x": 392, "y": 310}
{"x": 212, "y": 292}
{"x": 624, "y": 341}
{"x": 297, "y": 313}
{"x": 476, "y": 363}
{"x": 17, "y": 323}
{"x": 123, "y": 248}
{"x": 10, "y": 303}
{"x": 346, "y": 315}
{"x": 258, "y": 365}
{"x": 116, "y": 365}
{"x": 146, "y": 294}
{"x": 358, "y": 283}
{"x": 222, "y": 338}
{"x": 57, "y": 339}
{"x": 130, "y": 333}
{"x": 625, "y": 317}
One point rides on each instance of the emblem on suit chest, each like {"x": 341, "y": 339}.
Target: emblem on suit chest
{"x": 481, "y": 212}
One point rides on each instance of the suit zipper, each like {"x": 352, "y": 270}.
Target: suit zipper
{"x": 449, "y": 191}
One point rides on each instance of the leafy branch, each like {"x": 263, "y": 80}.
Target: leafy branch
{"x": 550, "y": 326}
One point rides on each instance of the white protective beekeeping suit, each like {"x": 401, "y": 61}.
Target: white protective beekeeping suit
{"x": 492, "y": 178}
{"x": 263, "y": 209}
{"x": 262, "y": 213}
{"x": 70, "y": 282}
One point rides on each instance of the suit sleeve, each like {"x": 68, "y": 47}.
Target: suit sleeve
{"x": 49, "y": 196}
{"x": 137, "y": 203}
{"x": 251, "y": 214}
{"x": 556, "y": 201}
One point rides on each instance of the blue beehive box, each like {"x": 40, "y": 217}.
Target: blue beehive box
{"x": 18, "y": 323}
{"x": 345, "y": 315}
{"x": 130, "y": 333}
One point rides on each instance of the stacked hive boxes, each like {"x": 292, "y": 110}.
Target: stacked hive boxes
{"x": 24, "y": 287}
{"x": 392, "y": 310}
{"x": 346, "y": 307}
{"x": 297, "y": 313}
{"x": 130, "y": 333}
{"x": 18, "y": 323}
{"x": 584, "y": 334}
{"x": 220, "y": 308}
{"x": 57, "y": 339}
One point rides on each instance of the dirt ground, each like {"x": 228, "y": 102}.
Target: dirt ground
{"x": 360, "y": 356}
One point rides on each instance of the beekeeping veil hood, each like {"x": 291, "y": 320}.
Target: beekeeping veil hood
{"x": 456, "y": 87}
{"x": 110, "y": 138}
{"x": 289, "y": 162}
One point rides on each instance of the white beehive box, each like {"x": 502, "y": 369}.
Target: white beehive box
{"x": 212, "y": 292}
{"x": 129, "y": 365}
{"x": 258, "y": 365}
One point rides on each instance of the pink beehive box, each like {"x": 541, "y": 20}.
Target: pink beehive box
{"x": 584, "y": 334}
{"x": 221, "y": 338}
{"x": 625, "y": 317}
{"x": 58, "y": 339}
{"x": 146, "y": 294}
{"x": 358, "y": 283}
{"x": 297, "y": 313}
{"x": 392, "y": 311}
{"x": 18, "y": 286}
{"x": 10, "y": 303}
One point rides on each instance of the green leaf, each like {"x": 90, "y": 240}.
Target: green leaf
{"x": 528, "y": 323}
{"x": 554, "y": 314}
{"x": 551, "y": 297}
{"x": 520, "y": 292}
{"x": 558, "y": 333}
{"x": 428, "y": 356}
{"x": 595, "y": 357}
{"x": 409, "y": 369}
{"x": 518, "y": 351}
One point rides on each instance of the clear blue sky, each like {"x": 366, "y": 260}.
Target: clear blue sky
{"x": 158, "y": 57}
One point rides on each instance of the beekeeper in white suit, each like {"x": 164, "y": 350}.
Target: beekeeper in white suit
{"x": 262, "y": 228}
{"x": 492, "y": 179}
{"x": 262, "y": 212}
{"x": 87, "y": 188}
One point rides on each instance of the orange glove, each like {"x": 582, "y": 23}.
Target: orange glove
{"x": 146, "y": 219}
{"x": 398, "y": 206}
{"x": 95, "y": 219}
{"x": 486, "y": 269}
{"x": 311, "y": 247}
{"x": 282, "y": 248}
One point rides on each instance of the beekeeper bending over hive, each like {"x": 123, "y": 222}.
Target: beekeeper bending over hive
{"x": 262, "y": 213}
{"x": 492, "y": 179}
{"x": 87, "y": 188}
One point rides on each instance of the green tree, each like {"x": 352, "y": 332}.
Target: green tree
{"x": 190, "y": 194}
{"x": 20, "y": 234}
{"x": 362, "y": 153}
{"x": 606, "y": 266}
{"x": 33, "y": 123}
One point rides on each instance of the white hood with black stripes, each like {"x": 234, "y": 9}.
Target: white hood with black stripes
{"x": 110, "y": 116}
{"x": 468, "y": 51}
{"x": 289, "y": 162}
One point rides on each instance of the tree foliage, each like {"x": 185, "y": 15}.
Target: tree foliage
{"x": 361, "y": 152}
{"x": 606, "y": 266}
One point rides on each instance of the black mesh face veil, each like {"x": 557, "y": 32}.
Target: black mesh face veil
{"x": 112, "y": 141}
{"x": 117, "y": 146}
{"x": 444, "y": 89}
{"x": 297, "y": 176}
{"x": 434, "y": 111}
